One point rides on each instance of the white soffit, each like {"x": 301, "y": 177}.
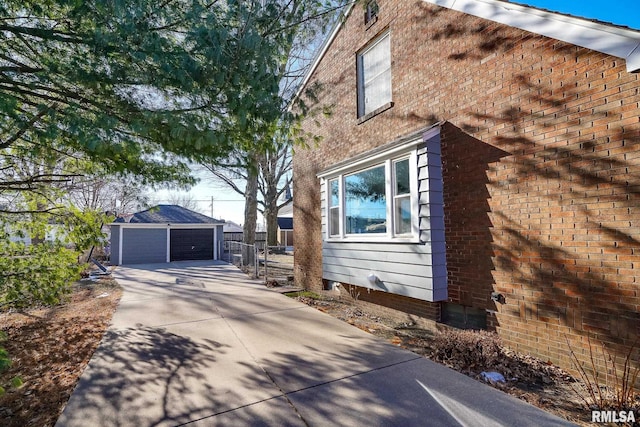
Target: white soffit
{"x": 609, "y": 39}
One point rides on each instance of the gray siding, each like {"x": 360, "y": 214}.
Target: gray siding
{"x": 416, "y": 270}
{"x": 144, "y": 245}
{"x": 220, "y": 241}
{"x": 115, "y": 244}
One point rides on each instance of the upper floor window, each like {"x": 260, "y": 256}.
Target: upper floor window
{"x": 374, "y": 75}
{"x": 371, "y": 12}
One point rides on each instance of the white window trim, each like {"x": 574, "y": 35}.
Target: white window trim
{"x": 338, "y": 207}
{"x": 413, "y": 194}
{"x": 168, "y": 251}
{"x": 387, "y": 159}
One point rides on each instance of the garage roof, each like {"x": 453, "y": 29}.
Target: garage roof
{"x": 169, "y": 214}
{"x": 285, "y": 223}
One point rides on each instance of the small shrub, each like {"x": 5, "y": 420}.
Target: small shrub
{"x": 468, "y": 351}
{"x": 303, "y": 294}
{"x": 5, "y": 363}
{"x": 16, "y": 382}
{"x": 613, "y": 388}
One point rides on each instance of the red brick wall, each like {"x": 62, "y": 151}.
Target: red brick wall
{"x": 397, "y": 307}
{"x": 541, "y": 169}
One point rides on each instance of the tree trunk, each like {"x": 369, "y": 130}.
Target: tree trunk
{"x": 250, "y": 215}
{"x": 271, "y": 216}
{"x": 270, "y": 179}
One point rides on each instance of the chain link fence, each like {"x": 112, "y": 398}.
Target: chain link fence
{"x": 273, "y": 265}
{"x": 242, "y": 255}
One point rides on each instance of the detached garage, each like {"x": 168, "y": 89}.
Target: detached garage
{"x": 165, "y": 233}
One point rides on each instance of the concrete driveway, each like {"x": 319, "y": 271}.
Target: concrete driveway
{"x": 201, "y": 344}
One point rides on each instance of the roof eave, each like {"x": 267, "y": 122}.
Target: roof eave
{"x": 619, "y": 42}
{"x": 323, "y": 50}
{"x": 612, "y": 40}
{"x": 633, "y": 60}
{"x": 166, "y": 224}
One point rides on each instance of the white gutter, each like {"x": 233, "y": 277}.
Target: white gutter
{"x": 120, "y": 246}
{"x": 164, "y": 225}
{"x": 168, "y": 252}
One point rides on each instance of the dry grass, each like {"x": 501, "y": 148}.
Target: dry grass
{"x": 49, "y": 350}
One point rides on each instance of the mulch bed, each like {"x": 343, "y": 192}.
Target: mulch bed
{"x": 49, "y": 349}
{"x": 528, "y": 378}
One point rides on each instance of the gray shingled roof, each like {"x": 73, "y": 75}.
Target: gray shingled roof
{"x": 285, "y": 223}
{"x": 169, "y": 214}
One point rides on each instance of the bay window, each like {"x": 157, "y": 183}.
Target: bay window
{"x": 376, "y": 200}
{"x": 382, "y": 217}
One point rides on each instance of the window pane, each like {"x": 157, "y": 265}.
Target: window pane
{"x": 334, "y": 208}
{"x": 377, "y": 59}
{"x": 402, "y": 177}
{"x": 377, "y": 91}
{"x": 335, "y": 200}
{"x": 334, "y": 221}
{"x": 403, "y": 215}
{"x": 372, "y": 11}
{"x": 376, "y": 75}
{"x": 365, "y": 202}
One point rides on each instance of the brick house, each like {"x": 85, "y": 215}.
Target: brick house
{"x": 480, "y": 167}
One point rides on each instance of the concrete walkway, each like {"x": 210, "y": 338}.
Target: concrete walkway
{"x": 200, "y": 344}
